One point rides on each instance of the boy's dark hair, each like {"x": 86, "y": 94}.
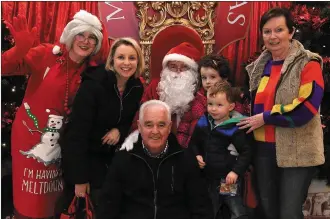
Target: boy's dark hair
{"x": 232, "y": 93}
{"x": 217, "y": 62}
{"x": 277, "y": 12}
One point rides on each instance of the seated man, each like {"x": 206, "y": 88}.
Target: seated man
{"x": 178, "y": 86}
{"x": 157, "y": 179}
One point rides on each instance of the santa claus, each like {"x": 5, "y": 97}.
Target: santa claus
{"x": 178, "y": 86}
{"x": 53, "y": 83}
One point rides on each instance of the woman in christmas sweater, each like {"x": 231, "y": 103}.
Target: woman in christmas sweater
{"x": 287, "y": 88}
{"x": 54, "y": 80}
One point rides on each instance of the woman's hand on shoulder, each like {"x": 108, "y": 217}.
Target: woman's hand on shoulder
{"x": 111, "y": 137}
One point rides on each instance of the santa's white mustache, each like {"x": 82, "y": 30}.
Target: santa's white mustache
{"x": 177, "y": 89}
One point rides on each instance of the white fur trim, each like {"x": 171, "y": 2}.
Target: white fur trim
{"x": 56, "y": 50}
{"x": 88, "y": 18}
{"x": 178, "y": 57}
{"x": 55, "y": 116}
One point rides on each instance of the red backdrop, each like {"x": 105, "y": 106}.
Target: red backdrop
{"x": 51, "y": 17}
{"x": 240, "y": 51}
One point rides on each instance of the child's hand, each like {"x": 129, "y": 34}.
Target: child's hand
{"x": 231, "y": 178}
{"x": 201, "y": 162}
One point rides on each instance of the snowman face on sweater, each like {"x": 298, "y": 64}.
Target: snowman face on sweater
{"x": 55, "y": 123}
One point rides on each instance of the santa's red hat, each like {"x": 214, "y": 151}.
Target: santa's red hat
{"x": 185, "y": 52}
{"x": 54, "y": 114}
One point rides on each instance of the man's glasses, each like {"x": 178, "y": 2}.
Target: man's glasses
{"x": 91, "y": 39}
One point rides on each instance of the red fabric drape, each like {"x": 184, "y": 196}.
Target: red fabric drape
{"x": 49, "y": 17}
{"x": 239, "y": 52}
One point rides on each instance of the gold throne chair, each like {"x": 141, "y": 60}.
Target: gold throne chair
{"x": 163, "y": 25}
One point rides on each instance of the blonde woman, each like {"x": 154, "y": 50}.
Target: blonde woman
{"x": 102, "y": 114}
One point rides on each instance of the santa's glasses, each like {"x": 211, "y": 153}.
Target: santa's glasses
{"x": 91, "y": 39}
{"x": 176, "y": 67}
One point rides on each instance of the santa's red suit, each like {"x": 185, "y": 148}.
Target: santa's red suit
{"x": 53, "y": 83}
{"x": 185, "y": 101}
{"x": 189, "y": 119}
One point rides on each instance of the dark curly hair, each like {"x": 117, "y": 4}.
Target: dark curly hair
{"x": 218, "y": 63}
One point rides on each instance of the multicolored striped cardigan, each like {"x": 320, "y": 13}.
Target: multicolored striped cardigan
{"x": 298, "y": 132}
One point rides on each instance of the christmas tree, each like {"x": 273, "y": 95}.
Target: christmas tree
{"x": 313, "y": 31}
{"x": 12, "y": 89}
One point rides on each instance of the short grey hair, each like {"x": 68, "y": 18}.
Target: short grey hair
{"x": 82, "y": 21}
{"x": 151, "y": 103}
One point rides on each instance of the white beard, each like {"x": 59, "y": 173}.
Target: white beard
{"x": 177, "y": 90}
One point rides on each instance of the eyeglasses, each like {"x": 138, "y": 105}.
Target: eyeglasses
{"x": 91, "y": 39}
{"x": 177, "y": 68}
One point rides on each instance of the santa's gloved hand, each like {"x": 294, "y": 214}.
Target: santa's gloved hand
{"x": 232, "y": 150}
{"x": 130, "y": 140}
{"x": 24, "y": 38}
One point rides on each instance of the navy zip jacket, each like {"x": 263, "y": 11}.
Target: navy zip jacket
{"x": 97, "y": 108}
{"x": 140, "y": 187}
{"x": 212, "y": 144}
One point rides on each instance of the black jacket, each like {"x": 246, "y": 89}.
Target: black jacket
{"x": 212, "y": 145}
{"x": 97, "y": 108}
{"x": 137, "y": 187}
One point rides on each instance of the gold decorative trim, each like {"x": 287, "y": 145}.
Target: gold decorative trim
{"x": 156, "y": 16}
